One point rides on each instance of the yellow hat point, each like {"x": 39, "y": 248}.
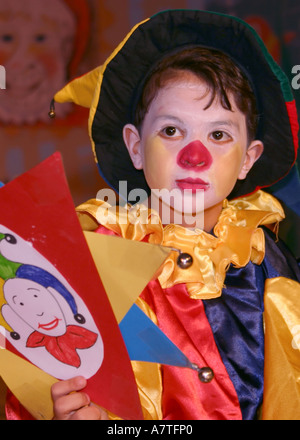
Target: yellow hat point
{"x": 81, "y": 90}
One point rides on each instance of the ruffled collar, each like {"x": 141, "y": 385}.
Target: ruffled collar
{"x": 236, "y": 239}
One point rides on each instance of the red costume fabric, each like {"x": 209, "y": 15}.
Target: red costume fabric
{"x": 184, "y": 321}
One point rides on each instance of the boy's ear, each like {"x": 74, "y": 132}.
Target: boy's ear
{"x": 253, "y": 153}
{"x": 132, "y": 141}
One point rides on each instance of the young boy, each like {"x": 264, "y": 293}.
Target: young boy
{"x": 191, "y": 102}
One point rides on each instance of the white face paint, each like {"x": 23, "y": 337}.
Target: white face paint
{"x": 180, "y": 116}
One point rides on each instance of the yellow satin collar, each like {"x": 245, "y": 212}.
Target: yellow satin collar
{"x": 237, "y": 238}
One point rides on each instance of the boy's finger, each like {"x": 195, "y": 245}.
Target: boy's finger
{"x": 66, "y": 387}
{"x": 66, "y": 406}
{"x": 90, "y": 412}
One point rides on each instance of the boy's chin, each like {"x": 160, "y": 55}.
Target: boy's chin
{"x": 188, "y": 215}
{"x": 190, "y": 204}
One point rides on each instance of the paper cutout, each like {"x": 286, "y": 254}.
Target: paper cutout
{"x": 41, "y": 311}
{"x": 37, "y": 212}
{"x": 135, "y": 264}
{"x": 146, "y": 342}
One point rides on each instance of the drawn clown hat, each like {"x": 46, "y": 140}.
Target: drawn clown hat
{"x": 112, "y": 90}
{"x": 13, "y": 270}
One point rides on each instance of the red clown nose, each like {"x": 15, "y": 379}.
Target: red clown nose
{"x": 195, "y": 155}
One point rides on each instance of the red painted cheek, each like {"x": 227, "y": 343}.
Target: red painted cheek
{"x": 195, "y": 156}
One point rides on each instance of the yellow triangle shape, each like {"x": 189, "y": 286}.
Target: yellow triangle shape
{"x": 30, "y": 385}
{"x": 125, "y": 267}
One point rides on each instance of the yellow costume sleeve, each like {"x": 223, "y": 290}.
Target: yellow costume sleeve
{"x": 282, "y": 350}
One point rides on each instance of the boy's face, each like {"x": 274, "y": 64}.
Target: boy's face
{"x": 185, "y": 146}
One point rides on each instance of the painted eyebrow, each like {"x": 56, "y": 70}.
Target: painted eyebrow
{"x": 212, "y": 123}
{"x": 34, "y": 289}
{"x": 168, "y": 117}
{"x": 224, "y": 123}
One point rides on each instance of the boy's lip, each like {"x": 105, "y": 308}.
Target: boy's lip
{"x": 193, "y": 184}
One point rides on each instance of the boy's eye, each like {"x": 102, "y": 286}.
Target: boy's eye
{"x": 169, "y": 131}
{"x": 220, "y": 136}
{"x": 217, "y": 135}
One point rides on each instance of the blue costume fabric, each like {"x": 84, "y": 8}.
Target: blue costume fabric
{"x": 236, "y": 319}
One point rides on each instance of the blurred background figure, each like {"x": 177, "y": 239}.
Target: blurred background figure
{"x": 36, "y": 47}
{"x": 44, "y": 44}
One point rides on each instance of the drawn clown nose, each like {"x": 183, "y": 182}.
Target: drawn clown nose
{"x": 196, "y": 156}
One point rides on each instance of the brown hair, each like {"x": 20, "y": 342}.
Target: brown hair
{"x": 214, "y": 67}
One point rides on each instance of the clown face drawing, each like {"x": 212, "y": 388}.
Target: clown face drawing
{"x": 43, "y": 316}
{"x": 36, "y": 305}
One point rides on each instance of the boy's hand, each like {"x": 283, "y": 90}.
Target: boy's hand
{"x": 71, "y": 404}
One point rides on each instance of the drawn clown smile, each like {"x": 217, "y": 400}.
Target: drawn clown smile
{"x": 50, "y": 325}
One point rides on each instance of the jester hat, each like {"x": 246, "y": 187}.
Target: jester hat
{"x": 112, "y": 91}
